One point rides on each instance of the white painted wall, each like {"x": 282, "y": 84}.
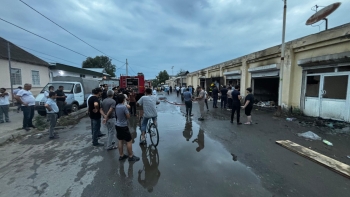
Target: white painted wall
{"x": 26, "y": 72}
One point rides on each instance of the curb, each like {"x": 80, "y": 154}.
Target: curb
{"x": 14, "y": 134}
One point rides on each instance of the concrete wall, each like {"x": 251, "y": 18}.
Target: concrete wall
{"x": 335, "y": 40}
{"x": 26, "y": 72}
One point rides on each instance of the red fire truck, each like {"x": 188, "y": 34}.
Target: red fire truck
{"x": 137, "y": 83}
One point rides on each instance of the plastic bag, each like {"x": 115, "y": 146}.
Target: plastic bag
{"x": 310, "y": 135}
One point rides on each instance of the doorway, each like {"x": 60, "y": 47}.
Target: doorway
{"x": 327, "y": 96}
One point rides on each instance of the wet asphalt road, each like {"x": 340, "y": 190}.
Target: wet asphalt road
{"x": 192, "y": 159}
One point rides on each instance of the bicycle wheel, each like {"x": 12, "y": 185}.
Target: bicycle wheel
{"x": 154, "y": 135}
{"x": 153, "y": 156}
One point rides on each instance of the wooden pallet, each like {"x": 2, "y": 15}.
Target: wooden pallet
{"x": 328, "y": 162}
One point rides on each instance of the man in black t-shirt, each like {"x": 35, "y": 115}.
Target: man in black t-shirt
{"x": 215, "y": 97}
{"x": 95, "y": 115}
{"x": 223, "y": 97}
{"x": 60, "y": 100}
{"x": 236, "y": 104}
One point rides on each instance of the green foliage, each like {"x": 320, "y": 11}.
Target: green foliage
{"x": 162, "y": 77}
{"x": 100, "y": 62}
{"x": 41, "y": 122}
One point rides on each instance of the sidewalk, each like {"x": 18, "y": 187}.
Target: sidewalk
{"x": 13, "y": 128}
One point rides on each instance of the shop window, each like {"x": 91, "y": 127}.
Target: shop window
{"x": 321, "y": 70}
{"x": 344, "y": 69}
{"x": 312, "y": 86}
{"x": 335, "y": 87}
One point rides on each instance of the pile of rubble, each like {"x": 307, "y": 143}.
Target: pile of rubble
{"x": 265, "y": 104}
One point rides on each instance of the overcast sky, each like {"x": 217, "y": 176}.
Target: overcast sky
{"x": 155, "y": 35}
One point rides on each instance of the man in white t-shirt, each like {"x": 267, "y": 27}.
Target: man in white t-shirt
{"x": 177, "y": 91}
{"x": 4, "y": 105}
{"x": 26, "y": 98}
{"x": 155, "y": 92}
{"x": 47, "y": 92}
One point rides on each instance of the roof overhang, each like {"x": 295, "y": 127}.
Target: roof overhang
{"x": 265, "y": 68}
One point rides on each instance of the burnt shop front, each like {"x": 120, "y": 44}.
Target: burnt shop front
{"x": 233, "y": 78}
{"x": 265, "y": 84}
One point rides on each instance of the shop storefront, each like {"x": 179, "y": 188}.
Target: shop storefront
{"x": 233, "y": 78}
{"x": 326, "y": 89}
{"x": 265, "y": 83}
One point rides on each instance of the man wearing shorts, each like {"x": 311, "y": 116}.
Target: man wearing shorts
{"x": 123, "y": 133}
{"x": 149, "y": 103}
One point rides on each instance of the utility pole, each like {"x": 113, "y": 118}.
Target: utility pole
{"x": 9, "y": 56}
{"x": 127, "y": 73}
{"x": 279, "y": 110}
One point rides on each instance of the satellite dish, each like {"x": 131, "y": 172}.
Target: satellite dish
{"x": 322, "y": 14}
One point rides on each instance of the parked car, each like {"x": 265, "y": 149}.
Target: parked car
{"x": 76, "y": 89}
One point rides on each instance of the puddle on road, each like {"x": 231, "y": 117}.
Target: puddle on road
{"x": 186, "y": 163}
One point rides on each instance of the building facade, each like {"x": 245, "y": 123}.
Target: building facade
{"x": 315, "y": 77}
{"x": 25, "y": 68}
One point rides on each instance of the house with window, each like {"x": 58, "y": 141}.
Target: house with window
{"x": 25, "y": 68}
{"x": 58, "y": 69}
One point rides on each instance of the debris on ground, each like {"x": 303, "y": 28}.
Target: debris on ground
{"x": 234, "y": 157}
{"x": 290, "y": 119}
{"x": 348, "y": 156}
{"x": 38, "y": 136}
{"x": 327, "y": 142}
{"x": 310, "y": 135}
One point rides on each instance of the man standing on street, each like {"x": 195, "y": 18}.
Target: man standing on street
{"x": 4, "y": 105}
{"x": 132, "y": 102}
{"x": 95, "y": 115}
{"x": 61, "y": 100}
{"x": 182, "y": 93}
{"x": 177, "y": 91}
{"x": 26, "y": 98}
{"x": 229, "y": 98}
{"x": 47, "y": 92}
{"x": 200, "y": 98}
{"x": 223, "y": 97}
{"x": 108, "y": 112}
{"x": 14, "y": 94}
{"x": 215, "y": 97}
{"x": 188, "y": 102}
{"x": 236, "y": 104}
{"x": 123, "y": 132}
{"x": 52, "y": 111}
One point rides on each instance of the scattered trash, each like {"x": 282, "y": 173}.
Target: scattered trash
{"x": 38, "y": 136}
{"x": 330, "y": 125}
{"x": 310, "y": 135}
{"x": 327, "y": 142}
{"x": 290, "y": 119}
{"x": 348, "y": 156}
{"x": 234, "y": 157}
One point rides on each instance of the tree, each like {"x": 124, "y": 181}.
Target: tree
{"x": 180, "y": 71}
{"x": 162, "y": 76}
{"x": 100, "y": 62}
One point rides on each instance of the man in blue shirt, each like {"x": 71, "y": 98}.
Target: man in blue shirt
{"x": 52, "y": 111}
{"x": 188, "y": 102}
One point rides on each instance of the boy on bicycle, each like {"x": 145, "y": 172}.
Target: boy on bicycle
{"x": 149, "y": 103}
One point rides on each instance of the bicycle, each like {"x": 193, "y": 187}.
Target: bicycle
{"x": 152, "y": 130}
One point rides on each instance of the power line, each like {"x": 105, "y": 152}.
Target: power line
{"x": 68, "y": 31}
{"x": 42, "y": 37}
{"x": 132, "y": 70}
{"x": 46, "y": 54}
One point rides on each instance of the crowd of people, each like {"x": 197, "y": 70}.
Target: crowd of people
{"x": 113, "y": 108}
{"x": 230, "y": 99}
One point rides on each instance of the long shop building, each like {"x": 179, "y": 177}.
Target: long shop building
{"x": 315, "y": 76}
